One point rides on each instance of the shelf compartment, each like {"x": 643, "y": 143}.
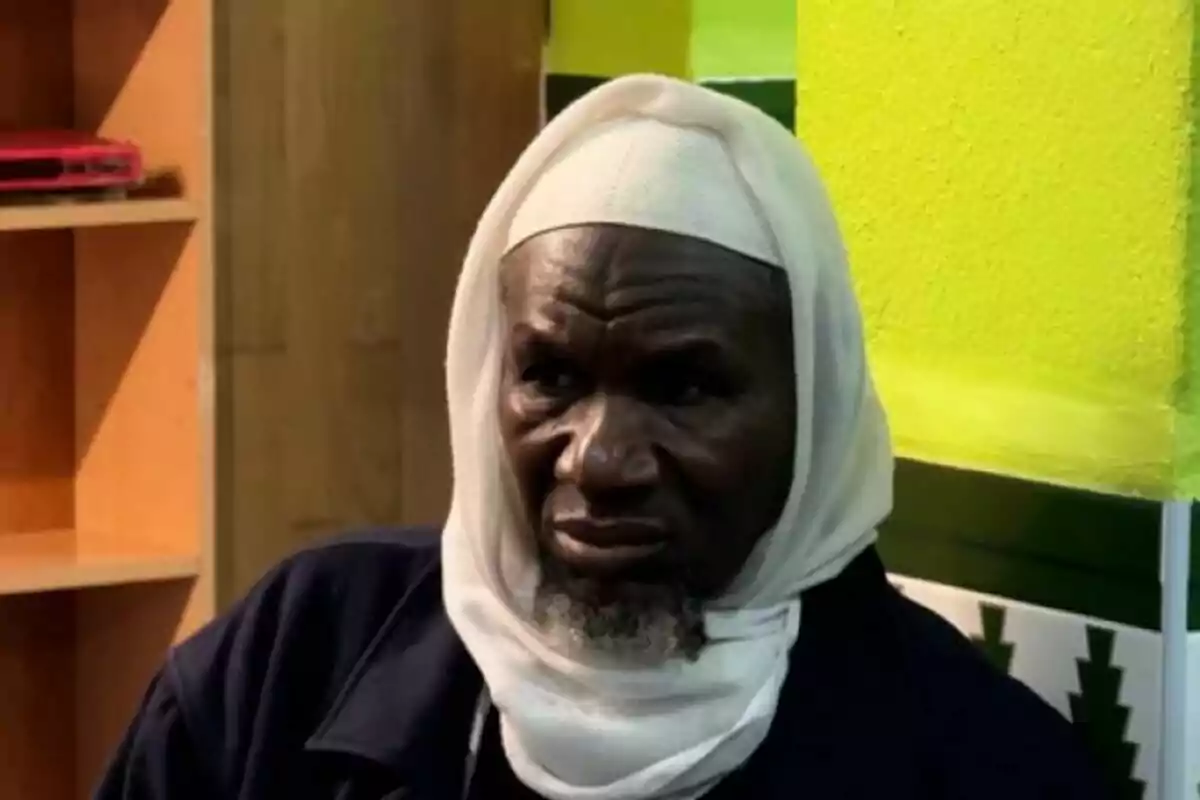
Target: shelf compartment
{"x": 74, "y": 666}
{"x": 95, "y": 214}
{"x": 58, "y": 560}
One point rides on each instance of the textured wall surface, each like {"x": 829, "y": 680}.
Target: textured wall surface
{"x": 1012, "y": 179}
{"x": 746, "y": 48}
{"x": 743, "y": 38}
{"x": 699, "y": 39}
{"x": 1188, "y": 424}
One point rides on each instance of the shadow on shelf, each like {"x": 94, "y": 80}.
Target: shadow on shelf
{"x": 108, "y": 38}
{"x": 126, "y": 311}
{"x": 74, "y": 666}
{"x": 37, "y": 448}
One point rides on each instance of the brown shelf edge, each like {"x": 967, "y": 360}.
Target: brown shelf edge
{"x": 90, "y": 573}
{"x": 95, "y": 214}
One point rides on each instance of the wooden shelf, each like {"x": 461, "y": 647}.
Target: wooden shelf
{"x": 93, "y": 214}
{"x": 106, "y": 412}
{"x": 53, "y": 560}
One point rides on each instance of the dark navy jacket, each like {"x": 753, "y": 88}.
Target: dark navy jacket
{"x": 340, "y": 677}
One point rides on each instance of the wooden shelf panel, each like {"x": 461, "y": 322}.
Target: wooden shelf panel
{"x": 53, "y": 560}
{"x": 94, "y": 214}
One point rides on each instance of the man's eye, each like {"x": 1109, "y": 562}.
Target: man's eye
{"x": 680, "y": 393}
{"x": 683, "y": 388}
{"x": 550, "y": 378}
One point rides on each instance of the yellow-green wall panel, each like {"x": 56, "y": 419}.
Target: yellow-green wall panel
{"x": 1011, "y": 176}
{"x": 743, "y": 39}
{"x": 606, "y": 38}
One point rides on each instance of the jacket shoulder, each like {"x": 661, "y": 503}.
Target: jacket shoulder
{"x": 280, "y": 656}
{"x": 335, "y": 594}
{"x": 992, "y": 734}
{"x": 355, "y": 562}
{"x": 353, "y": 575}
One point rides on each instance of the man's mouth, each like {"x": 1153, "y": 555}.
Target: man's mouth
{"x": 609, "y": 544}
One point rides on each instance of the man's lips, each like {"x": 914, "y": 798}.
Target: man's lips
{"x": 608, "y": 543}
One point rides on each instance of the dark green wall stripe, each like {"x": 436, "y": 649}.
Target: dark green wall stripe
{"x": 1067, "y": 549}
{"x": 775, "y": 97}
{"x": 1100, "y": 533}
{"x": 562, "y": 90}
{"x": 1044, "y": 584}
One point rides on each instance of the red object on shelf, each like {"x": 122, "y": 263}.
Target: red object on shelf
{"x": 57, "y": 160}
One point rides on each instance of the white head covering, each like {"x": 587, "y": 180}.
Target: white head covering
{"x": 665, "y": 154}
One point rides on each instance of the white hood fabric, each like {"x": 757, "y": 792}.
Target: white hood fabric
{"x": 660, "y": 153}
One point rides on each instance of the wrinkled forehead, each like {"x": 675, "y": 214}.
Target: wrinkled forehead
{"x": 630, "y": 290}
{"x": 607, "y": 267}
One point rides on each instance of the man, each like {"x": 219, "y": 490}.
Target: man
{"x": 657, "y": 578}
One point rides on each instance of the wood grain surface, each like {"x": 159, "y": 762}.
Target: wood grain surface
{"x": 357, "y": 143}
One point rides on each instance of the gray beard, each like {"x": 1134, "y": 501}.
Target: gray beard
{"x": 629, "y": 622}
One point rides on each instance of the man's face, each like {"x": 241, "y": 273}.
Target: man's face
{"x": 647, "y": 406}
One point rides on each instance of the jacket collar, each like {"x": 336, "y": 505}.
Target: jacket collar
{"x": 408, "y": 703}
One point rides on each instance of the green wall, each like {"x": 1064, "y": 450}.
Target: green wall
{"x": 747, "y": 39}
{"x": 747, "y": 48}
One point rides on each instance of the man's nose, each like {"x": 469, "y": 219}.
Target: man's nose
{"x": 609, "y": 450}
